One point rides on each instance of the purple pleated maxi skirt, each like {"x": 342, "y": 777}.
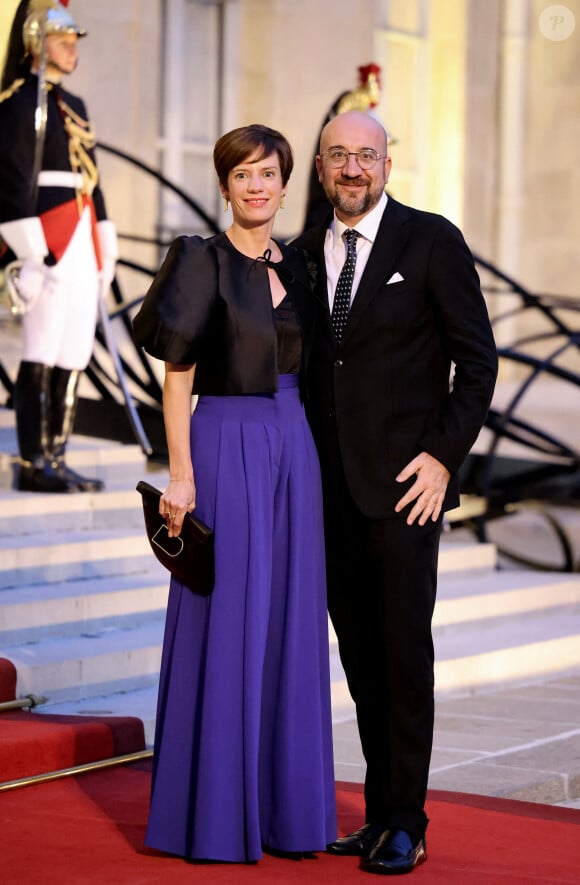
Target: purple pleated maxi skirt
{"x": 243, "y": 745}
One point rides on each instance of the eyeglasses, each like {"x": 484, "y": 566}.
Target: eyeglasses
{"x": 366, "y": 158}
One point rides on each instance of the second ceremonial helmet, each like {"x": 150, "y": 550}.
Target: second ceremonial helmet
{"x": 47, "y": 17}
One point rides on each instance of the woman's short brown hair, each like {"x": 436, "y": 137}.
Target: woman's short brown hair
{"x": 255, "y": 141}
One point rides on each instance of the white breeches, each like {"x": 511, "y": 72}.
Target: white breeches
{"x": 59, "y": 328}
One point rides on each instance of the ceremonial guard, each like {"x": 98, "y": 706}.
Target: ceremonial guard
{"x": 57, "y": 246}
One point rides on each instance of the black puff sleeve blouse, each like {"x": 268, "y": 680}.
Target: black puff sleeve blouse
{"x": 211, "y": 305}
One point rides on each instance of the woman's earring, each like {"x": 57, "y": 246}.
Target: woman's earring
{"x": 226, "y": 204}
{"x": 282, "y": 201}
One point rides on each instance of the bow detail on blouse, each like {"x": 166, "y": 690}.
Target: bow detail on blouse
{"x": 286, "y": 275}
{"x": 266, "y": 258}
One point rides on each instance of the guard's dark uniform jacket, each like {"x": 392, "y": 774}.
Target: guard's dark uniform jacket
{"x": 67, "y": 148}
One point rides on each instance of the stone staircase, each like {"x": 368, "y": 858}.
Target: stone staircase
{"x": 82, "y": 598}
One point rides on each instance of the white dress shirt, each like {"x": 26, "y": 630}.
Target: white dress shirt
{"x": 335, "y": 247}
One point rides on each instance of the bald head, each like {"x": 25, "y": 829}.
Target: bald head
{"x": 354, "y": 126}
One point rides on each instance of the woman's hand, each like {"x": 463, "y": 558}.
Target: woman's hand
{"x": 177, "y": 500}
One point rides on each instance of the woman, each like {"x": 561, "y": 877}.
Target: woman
{"x": 243, "y": 746}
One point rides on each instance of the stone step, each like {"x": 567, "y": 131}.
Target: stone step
{"x": 118, "y": 474}
{"x": 73, "y": 608}
{"x": 118, "y": 465}
{"x": 25, "y": 514}
{"x": 75, "y": 545}
{"x": 50, "y": 558}
{"x": 38, "y": 620}
{"x": 506, "y": 650}
{"x": 508, "y": 637}
{"x": 141, "y": 702}
{"x": 94, "y": 664}
{"x": 495, "y": 628}
{"x": 82, "y": 451}
{"x": 473, "y": 659}
{"x": 456, "y": 555}
{"x": 67, "y": 609}
{"x": 478, "y": 596}
{"x": 77, "y": 445}
{"x": 28, "y": 613}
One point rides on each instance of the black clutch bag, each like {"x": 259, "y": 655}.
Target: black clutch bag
{"x": 190, "y": 557}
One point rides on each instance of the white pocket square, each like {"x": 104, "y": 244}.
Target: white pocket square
{"x": 396, "y": 278}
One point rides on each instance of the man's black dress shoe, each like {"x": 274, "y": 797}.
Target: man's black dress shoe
{"x": 357, "y": 844}
{"x": 395, "y": 852}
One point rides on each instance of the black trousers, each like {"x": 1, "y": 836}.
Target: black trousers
{"x": 382, "y": 581}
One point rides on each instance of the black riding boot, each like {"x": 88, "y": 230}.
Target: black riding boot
{"x": 35, "y": 473}
{"x": 63, "y": 401}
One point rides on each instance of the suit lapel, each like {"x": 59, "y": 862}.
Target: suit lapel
{"x": 301, "y": 294}
{"x": 313, "y": 242}
{"x": 391, "y": 238}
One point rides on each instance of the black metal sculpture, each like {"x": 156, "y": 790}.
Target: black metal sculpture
{"x": 524, "y": 466}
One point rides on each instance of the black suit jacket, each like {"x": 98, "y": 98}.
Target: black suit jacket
{"x": 386, "y": 390}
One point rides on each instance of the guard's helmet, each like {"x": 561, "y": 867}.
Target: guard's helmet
{"x": 47, "y": 17}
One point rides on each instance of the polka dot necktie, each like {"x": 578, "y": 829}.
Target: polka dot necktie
{"x": 341, "y": 305}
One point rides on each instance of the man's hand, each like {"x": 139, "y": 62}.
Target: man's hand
{"x": 428, "y": 490}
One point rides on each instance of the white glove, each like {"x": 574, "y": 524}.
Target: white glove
{"x": 34, "y": 279}
{"x": 25, "y": 236}
{"x": 107, "y": 234}
{"x": 107, "y": 274}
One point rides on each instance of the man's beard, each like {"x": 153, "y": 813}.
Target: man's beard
{"x": 353, "y": 205}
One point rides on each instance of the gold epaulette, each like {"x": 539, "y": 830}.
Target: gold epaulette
{"x": 11, "y": 90}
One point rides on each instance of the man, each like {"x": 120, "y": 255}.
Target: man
{"x": 397, "y": 307}
{"x": 53, "y": 224}
{"x": 365, "y": 97}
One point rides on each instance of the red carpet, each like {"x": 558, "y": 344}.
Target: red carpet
{"x": 90, "y": 830}
{"x": 32, "y": 743}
